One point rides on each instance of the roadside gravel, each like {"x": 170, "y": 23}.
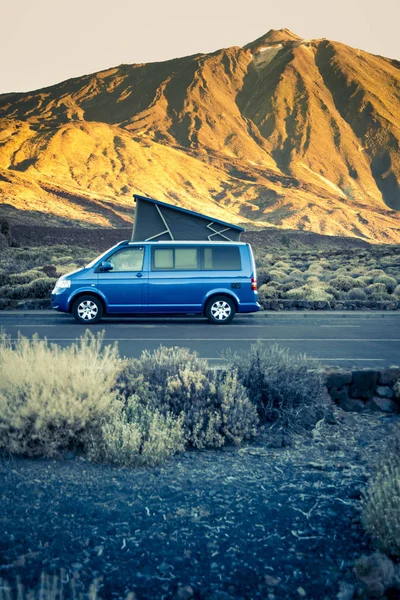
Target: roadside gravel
{"x": 251, "y": 522}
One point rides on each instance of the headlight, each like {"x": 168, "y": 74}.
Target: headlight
{"x": 62, "y": 284}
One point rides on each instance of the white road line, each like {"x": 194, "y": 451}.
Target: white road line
{"x": 342, "y": 326}
{"x": 333, "y": 358}
{"x": 190, "y": 339}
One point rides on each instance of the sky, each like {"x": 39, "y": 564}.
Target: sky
{"x": 44, "y": 42}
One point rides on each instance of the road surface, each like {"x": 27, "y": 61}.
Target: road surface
{"x": 357, "y": 339}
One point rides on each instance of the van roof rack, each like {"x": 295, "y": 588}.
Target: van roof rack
{"x": 159, "y": 221}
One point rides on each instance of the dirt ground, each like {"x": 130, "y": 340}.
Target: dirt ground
{"x": 257, "y": 521}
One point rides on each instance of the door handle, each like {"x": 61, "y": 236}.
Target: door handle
{"x": 139, "y": 274}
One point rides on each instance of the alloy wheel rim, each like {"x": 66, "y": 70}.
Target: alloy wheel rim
{"x": 221, "y": 310}
{"x": 87, "y": 310}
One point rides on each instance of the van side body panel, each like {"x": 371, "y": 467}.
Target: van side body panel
{"x": 147, "y": 290}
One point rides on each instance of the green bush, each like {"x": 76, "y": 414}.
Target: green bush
{"x": 357, "y": 294}
{"x": 39, "y": 288}
{"x": 380, "y": 506}
{"x": 342, "y": 283}
{"x": 268, "y": 292}
{"x": 376, "y": 289}
{"x": 389, "y": 282}
{"x": 49, "y": 395}
{"x": 135, "y": 436}
{"x": 380, "y": 513}
{"x": 53, "y": 399}
{"x": 214, "y": 405}
{"x": 285, "y": 387}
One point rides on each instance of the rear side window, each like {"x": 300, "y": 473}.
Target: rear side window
{"x": 178, "y": 259}
{"x": 222, "y": 258}
{"x": 215, "y": 258}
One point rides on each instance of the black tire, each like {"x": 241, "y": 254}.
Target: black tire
{"x": 220, "y": 310}
{"x": 87, "y": 310}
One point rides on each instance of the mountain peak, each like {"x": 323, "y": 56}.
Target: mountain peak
{"x": 274, "y": 36}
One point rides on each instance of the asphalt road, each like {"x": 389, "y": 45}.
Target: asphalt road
{"x": 358, "y": 339}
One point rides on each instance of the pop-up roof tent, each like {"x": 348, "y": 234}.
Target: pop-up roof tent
{"x": 155, "y": 220}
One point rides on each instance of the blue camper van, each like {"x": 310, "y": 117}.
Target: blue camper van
{"x": 216, "y": 279}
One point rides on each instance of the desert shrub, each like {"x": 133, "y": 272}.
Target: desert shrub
{"x": 333, "y": 292}
{"x": 389, "y": 282}
{"x": 281, "y": 265}
{"x": 342, "y": 283}
{"x": 54, "y": 398}
{"x": 214, "y": 405}
{"x": 296, "y": 293}
{"x": 357, "y": 294}
{"x": 396, "y": 389}
{"x": 285, "y": 387}
{"x": 380, "y": 507}
{"x": 380, "y": 513}
{"x": 317, "y": 293}
{"x": 38, "y": 288}
{"x": 49, "y": 395}
{"x": 263, "y": 276}
{"x": 135, "y": 436}
{"x": 376, "y": 289}
{"x": 277, "y": 275}
{"x": 268, "y": 291}
{"x": 361, "y": 282}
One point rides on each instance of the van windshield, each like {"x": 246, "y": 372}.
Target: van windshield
{"x": 95, "y": 260}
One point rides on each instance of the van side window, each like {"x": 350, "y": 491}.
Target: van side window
{"x": 129, "y": 259}
{"x": 222, "y": 258}
{"x": 179, "y": 259}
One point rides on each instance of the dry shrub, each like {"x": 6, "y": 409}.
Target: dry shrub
{"x": 342, "y": 283}
{"x": 357, "y": 294}
{"x": 396, "y": 389}
{"x": 135, "y": 436}
{"x": 389, "y": 282}
{"x": 268, "y": 292}
{"x": 285, "y": 387}
{"x": 50, "y": 395}
{"x": 38, "y": 288}
{"x": 53, "y": 587}
{"x": 54, "y": 398}
{"x": 381, "y": 509}
{"x": 317, "y": 292}
{"x": 214, "y": 405}
{"x": 381, "y": 500}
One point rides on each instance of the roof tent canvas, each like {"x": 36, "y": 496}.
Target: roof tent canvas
{"x": 155, "y": 220}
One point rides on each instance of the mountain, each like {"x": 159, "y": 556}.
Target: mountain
{"x": 284, "y": 132}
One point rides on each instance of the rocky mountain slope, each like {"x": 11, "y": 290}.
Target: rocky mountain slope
{"x": 285, "y": 132}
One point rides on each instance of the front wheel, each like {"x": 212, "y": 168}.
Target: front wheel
{"x": 220, "y": 310}
{"x": 88, "y": 310}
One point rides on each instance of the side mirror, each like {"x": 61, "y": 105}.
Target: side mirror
{"x": 106, "y": 265}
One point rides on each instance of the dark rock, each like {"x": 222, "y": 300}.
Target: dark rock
{"x": 321, "y": 305}
{"x": 338, "y": 306}
{"x": 364, "y": 383}
{"x": 337, "y": 378}
{"x": 276, "y": 305}
{"x": 302, "y": 304}
{"x": 384, "y": 391}
{"x": 388, "y": 376}
{"x": 349, "y": 404}
{"x": 3, "y": 303}
{"x": 382, "y": 405}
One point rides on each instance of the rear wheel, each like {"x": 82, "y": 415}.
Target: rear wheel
{"x": 87, "y": 309}
{"x": 220, "y": 310}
